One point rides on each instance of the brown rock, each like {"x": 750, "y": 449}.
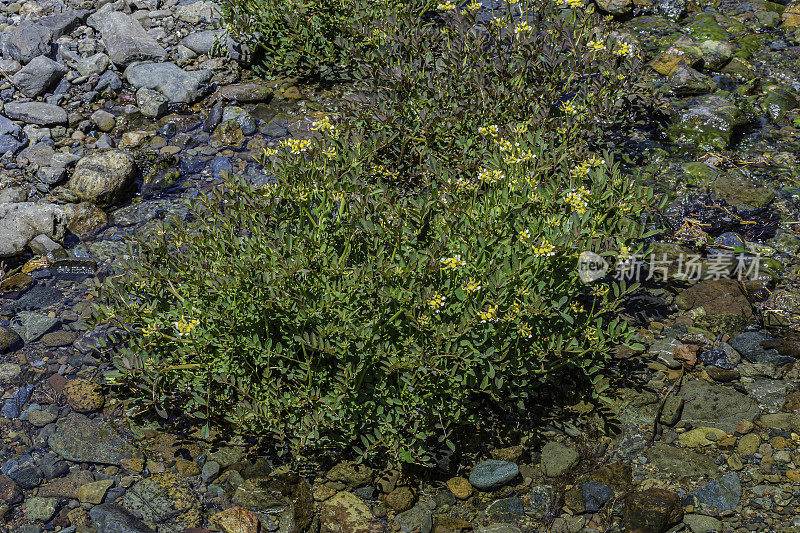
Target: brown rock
{"x": 460, "y": 487}
{"x": 84, "y": 396}
{"x": 57, "y": 382}
{"x": 346, "y": 513}
{"x": 510, "y": 454}
{"x": 792, "y": 402}
{"x": 744, "y": 427}
{"x": 451, "y": 524}
{"x": 652, "y": 511}
{"x": 716, "y": 297}
{"x": 10, "y": 493}
{"x": 236, "y": 520}
{"x": 387, "y": 481}
{"x": 66, "y": 487}
{"x": 791, "y": 15}
{"x": 401, "y": 498}
{"x": 686, "y": 354}
{"x": 722, "y": 375}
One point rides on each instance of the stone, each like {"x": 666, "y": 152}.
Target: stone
{"x": 27, "y": 41}
{"x": 558, "y": 459}
{"x": 350, "y": 474}
{"x": 125, "y": 39}
{"x": 716, "y": 297}
{"x": 280, "y": 492}
{"x": 699, "y": 437}
{"x": 681, "y": 462}
{"x": 66, "y": 487}
{"x": 9, "y": 371}
{"x": 178, "y": 85}
{"x": 38, "y": 76}
{"x": 151, "y": 103}
{"x": 31, "y": 325}
{"x": 228, "y": 134}
{"x": 723, "y": 493}
{"x": 671, "y": 413}
{"x": 505, "y": 510}
{"x": 738, "y": 188}
{"x": 723, "y": 357}
{"x": 38, "y": 113}
{"x": 21, "y": 222}
{"x": 166, "y": 500}
{"x": 202, "y": 10}
{"x": 460, "y": 487}
{"x": 39, "y": 509}
{"x": 769, "y": 393}
{"x": 686, "y": 81}
{"x": 700, "y": 523}
{"x": 401, "y": 499}
{"x": 791, "y": 15}
{"x": 708, "y": 124}
{"x": 84, "y": 440}
{"x": 93, "y": 65}
{"x": 41, "y": 418}
{"x": 85, "y": 218}
{"x": 94, "y": 492}
{"x": 84, "y": 396}
{"x": 498, "y": 528}
{"x": 716, "y": 406}
{"x": 616, "y": 7}
{"x": 104, "y": 178}
{"x": 245, "y": 120}
{"x": 236, "y": 520}
{"x": 10, "y": 493}
{"x": 24, "y": 472}
{"x": 111, "y": 518}
{"x": 346, "y": 513}
{"x": 652, "y": 511}
{"x": 104, "y": 120}
{"x": 595, "y": 495}
{"x": 201, "y": 42}
{"x": 684, "y": 51}
{"x": 245, "y": 93}
{"x": 492, "y": 474}
{"x": 9, "y": 341}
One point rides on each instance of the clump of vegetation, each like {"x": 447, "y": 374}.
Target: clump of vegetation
{"x": 415, "y": 258}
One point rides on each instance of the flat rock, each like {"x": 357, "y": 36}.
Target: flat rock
{"x": 178, "y": 85}
{"x": 681, "y": 462}
{"x": 558, "y": 459}
{"x": 125, "y": 39}
{"x": 66, "y": 487}
{"x": 492, "y": 474}
{"x": 83, "y": 440}
{"x": 111, "y": 518}
{"x": 38, "y": 113}
{"x": 31, "y": 325}
{"x": 21, "y": 222}
{"x": 723, "y": 493}
{"x": 716, "y": 406}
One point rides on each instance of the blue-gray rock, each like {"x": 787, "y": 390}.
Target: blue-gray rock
{"x": 749, "y": 345}
{"x": 80, "y": 439}
{"x": 109, "y": 80}
{"x": 111, "y": 518}
{"x": 178, "y": 85}
{"x": 31, "y": 325}
{"x": 242, "y": 117}
{"x": 541, "y": 499}
{"x": 558, "y": 459}
{"x": 38, "y": 113}
{"x": 12, "y": 407}
{"x": 418, "y": 518}
{"x": 718, "y": 406}
{"x": 723, "y": 493}
{"x": 125, "y": 39}
{"x": 25, "y": 473}
{"x": 220, "y": 165}
{"x": 27, "y": 41}
{"x": 506, "y": 510}
{"x": 595, "y": 495}
{"x": 210, "y": 471}
{"x": 201, "y": 42}
{"x": 723, "y": 356}
{"x": 492, "y": 474}
{"x": 38, "y": 76}
{"x": 710, "y": 123}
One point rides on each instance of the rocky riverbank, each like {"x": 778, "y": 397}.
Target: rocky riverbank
{"x": 114, "y": 113}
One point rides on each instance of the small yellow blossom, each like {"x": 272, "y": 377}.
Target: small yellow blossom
{"x": 597, "y": 46}
{"x": 324, "y": 125}
{"x": 149, "y": 330}
{"x": 297, "y": 146}
{"x": 569, "y": 108}
{"x": 544, "y": 250}
{"x": 522, "y": 27}
{"x": 525, "y": 330}
{"x": 575, "y": 3}
{"x": 474, "y": 5}
{"x": 622, "y": 49}
{"x": 524, "y": 235}
{"x": 436, "y": 302}
{"x": 471, "y": 286}
{"x": 576, "y": 307}
{"x": 490, "y": 315}
{"x": 490, "y": 176}
{"x": 599, "y": 290}
{"x": 185, "y": 326}
{"x": 577, "y": 200}
{"x": 446, "y": 6}
{"x": 488, "y": 131}
{"x": 452, "y": 263}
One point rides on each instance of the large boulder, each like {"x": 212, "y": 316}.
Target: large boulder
{"x": 21, "y": 222}
{"x": 709, "y": 124}
{"x": 33, "y": 38}
{"x": 38, "y": 76}
{"x": 104, "y": 178}
{"x": 125, "y": 39}
{"x": 169, "y": 79}
{"x": 12, "y": 138}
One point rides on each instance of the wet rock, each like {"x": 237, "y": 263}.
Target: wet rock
{"x": 151, "y": 103}
{"x": 245, "y": 93}
{"x": 9, "y": 371}
{"x": 10, "y": 493}
{"x": 24, "y": 472}
{"x": 681, "y": 462}
{"x": 418, "y": 518}
{"x": 94, "y": 492}
{"x": 723, "y": 356}
{"x": 460, "y": 487}
{"x": 723, "y": 493}
{"x": 652, "y": 510}
{"x": 616, "y": 7}
{"x": 670, "y": 9}
{"x": 738, "y": 188}
{"x": 709, "y": 124}
{"x": 104, "y": 178}
{"x": 228, "y": 134}
{"x": 716, "y": 297}
{"x": 178, "y": 85}
{"x": 31, "y": 326}
{"x": 769, "y": 393}
{"x": 38, "y": 113}
{"x": 83, "y": 440}
{"x": 286, "y": 495}
{"x": 750, "y": 345}
{"x": 505, "y": 510}
{"x": 595, "y": 495}
{"x": 27, "y": 41}
{"x": 9, "y": 341}
{"x": 111, "y": 518}
{"x": 125, "y": 39}
{"x": 165, "y": 500}
{"x": 39, "y": 509}
{"x": 671, "y": 413}
{"x": 104, "y": 120}
{"x": 66, "y": 487}
{"x": 716, "y": 54}
{"x": 558, "y": 459}
{"x": 685, "y": 81}
{"x": 84, "y": 396}
{"x": 401, "y": 498}
{"x": 700, "y": 523}
{"x": 242, "y": 117}
{"x": 492, "y": 474}
{"x": 778, "y": 102}
{"x": 716, "y": 406}
{"x": 202, "y": 10}
{"x": 791, "y": 15}
{"x": 345, "y": 512}
{"x": 684, "y": 51}
{"x": 38, "y": 76}
{"x": 236, "y": 520}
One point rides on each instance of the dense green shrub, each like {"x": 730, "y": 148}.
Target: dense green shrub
{"x": 415, "y": 259}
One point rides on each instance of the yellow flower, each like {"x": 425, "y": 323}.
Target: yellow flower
{"x": 544, "y": 250}
{"x": 525, "y": 330}
{"x": 184, "y": 326}
{"x": 577, "y": 200}
{"x": 575, "y": 3}
{"x": 452, "y": 263}
{"x": 324, "y": 125}
{"x": 569, "y": 108}
{"x": 622, "y": 49}
{"x": 596, "y": 45}
{"x": 436, "y": 302}
{"x": 149, "y": 330}
{"x": 576, "y": 307}
{"x": 490, "y": 315}
{"x": 524, "y": 235}
{"x": 297, "y": 146}
{"x": 522, "y": 27}
{"x": 474, "y": 5}
{"x": 599, "y": 290}
{"x": 488, "y": 131}
{"x": 472, "y": 286}
{"x": 490, "y": 176}
{"x": 446, "y": 6}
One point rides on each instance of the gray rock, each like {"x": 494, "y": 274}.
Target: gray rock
{"x": 557, "y": 459}
{"x": 12, "y": 138}
{"x": 418, "y": 518}
{"x": 686, "y": 81}
{"x": 108, "y": 80}
{"x": 723, "y": 493}
{"x": 748, "y": 344}
{"x": 38, "y": 76}
{"x": 161, "y": 505}
{"x": 9, "y": 340}
{"x": 84, "y": 440}
{"x": 111, "y": 518}
{"x": 717, "y": 406}
{"x": 498, "y": 528}
{"x": 709, "y": 124}
{"x": 700, "y": 523}
{"x": 492, "y": 474}
{"x": 96, "y": 64}
{"x": 10, "y": 66}
{"x": 670, "y": 9}
{"x": 210, "y": 471}
{"x": 36, "y": 113}
{"x": 21, "y": 222}
{"x": 25, "y": 473}
{"x": 723, "y": 356}
{"x": 26, "y": 41}
{"x": 31, "y": 325}
{"x": 201, "y": 42}
{"x": 9, "y": 371}
{"x": 104, "y": 178}
{"x": 242, "y": 117}
{"x": 195, "y": 12}
{"x": 595, "y": 495}
{"x": 178, "y": 85}
{"x": 680, "y": 461}
{"x": 506, "y": 510}
{"x": 125, "y": 39}
{"x": 151, "y": 103}
{"x": 63, "y": 23}
{"x": 40, "y": 509}
{"x": 768, "y": 393}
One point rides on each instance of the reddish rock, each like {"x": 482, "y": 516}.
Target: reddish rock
{"x": 10, "y": 493}
{"x": 792, "y": 403}
{"x": 717, "y": 297}
{"x": 686, "y": 354}
{"x": 236, "y": 520}
{"x": 652, "y": 511}
{"x": 57, "y": 382}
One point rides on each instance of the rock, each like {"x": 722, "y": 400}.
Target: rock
{"x": 165, "y": 500}
{"x": 460, "y": 487}
{"x": 769, "y": 393}
{"x": 245, "y": 93}
{"x": 84, "y": 396}
{"x": 94, "y": 492}
{"x": 558, "y": 459}
{"x": 202, "y": 10}
{"x": 9, "y": 371}
{"x": 201, "y": 42}
{"x": 280, "y": 493}
{"x": 236, "y": 520}
{"x": 346, "y": 513}
{"x": 178, "y": 85}
{"x": 27, "y": 41}
{"x": 93, "y": 65}
{"x": 125, "y": 39}
{"x": 652, "y": 511}
{"x": 242, "y": 117}
{"x": 716, "y": 297}
{"x": 104, "y": 120}
{"x": 12, "y": 139}
{"x": 723, "y": 493}
{"x": 670, "y": 9}
{"x": 85, "y": 218}
{"x": 681, "y": 462}
{"x": 66, "y": 487}
{"x": 151, "y": 103}
{"x": 698, "y": 437}
{"x": 492, "y": 474}
{"x": 616, "y": 7}
{"x": 709, "y": 124}
{"x": 36, "y": 113}
{"x": 40, "y": 418}
{"x": 750, "y": 345}
{"x": 9, "y": 341}
{"x": 83, "y": 440}
{"x": 723, "y": 356}
{"x": 700, "y": 523}
{"x": 716, "y": 406}
{"x": 38, "y": 76}
{"x": 401, "y": 499}
{"x": 104, "y": 178}
{"x": 350, "y": 474}
{"x": 778, "y": 102}
{"x": 683, "y": 51}
{"x": 31, "y": 325}
{"x": 111, "y": 518}
{"x": 738, "y": 188}
{"x": 498, "y": 528}
{"x": 791, "y": 15}
{"x": 39, "y": 509}
{"x": 505, "y": 510}
{"x": 595, "y": 495}
{"x": 10, "y": 493}
{"x": 686, "y": 81}
{"x": 671, "y": 414}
